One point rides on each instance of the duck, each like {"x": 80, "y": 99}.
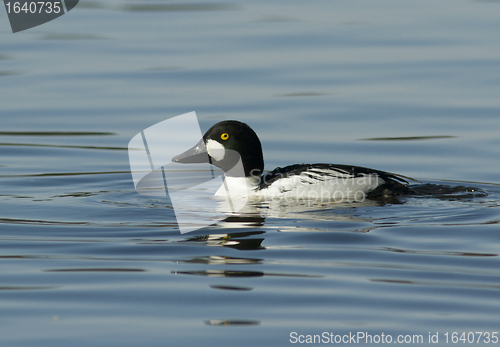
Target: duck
{"x": 235, "y": 148}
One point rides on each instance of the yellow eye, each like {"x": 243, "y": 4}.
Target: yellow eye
{"x": 224, "y": 136}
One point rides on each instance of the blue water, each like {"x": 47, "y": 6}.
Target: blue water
{"x": 406, "y": 87}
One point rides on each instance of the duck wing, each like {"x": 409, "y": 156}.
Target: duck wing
{"x": 394, "y": 184}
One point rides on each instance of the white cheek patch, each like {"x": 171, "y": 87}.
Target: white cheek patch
{"x": 215, "y": 150}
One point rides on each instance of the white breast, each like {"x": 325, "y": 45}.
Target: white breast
{"x": 238, "y": 187}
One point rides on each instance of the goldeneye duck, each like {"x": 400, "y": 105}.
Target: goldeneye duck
{"x": 228, "y": 142}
